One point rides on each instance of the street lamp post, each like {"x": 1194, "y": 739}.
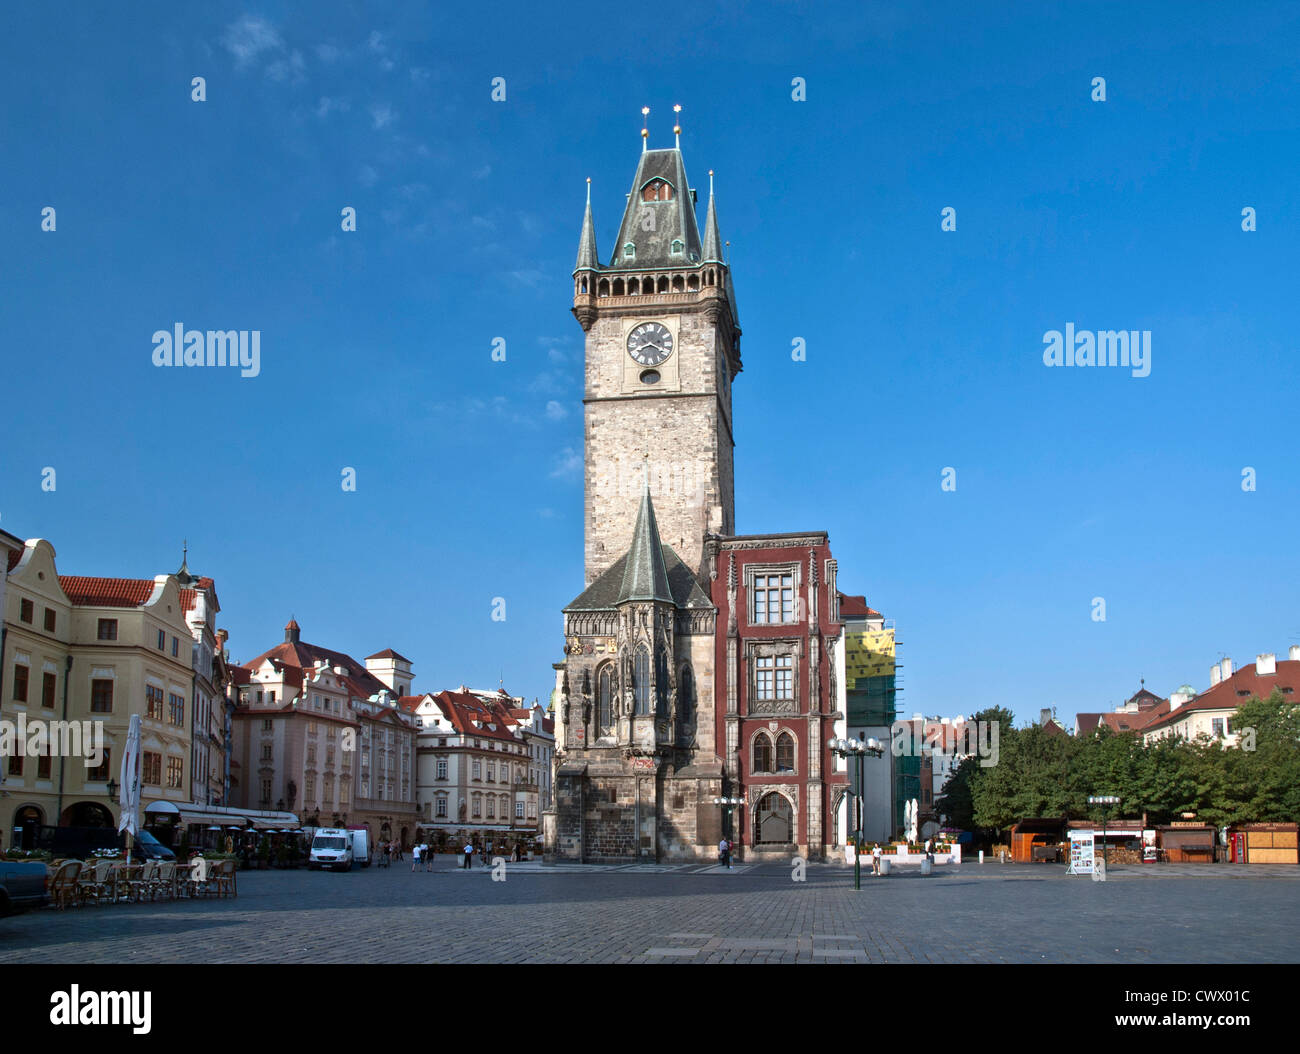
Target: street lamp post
{"x": 846, "y": 748}
{"x": 1107, "y": 802}
{"x": 727, "y": 805}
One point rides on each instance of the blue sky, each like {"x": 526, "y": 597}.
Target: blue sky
{"x": 924, "y": 347}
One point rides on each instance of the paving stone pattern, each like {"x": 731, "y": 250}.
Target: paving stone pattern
{"x": 689, "y": 913}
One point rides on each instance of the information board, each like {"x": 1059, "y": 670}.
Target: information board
{"x": 1081, "y": 853}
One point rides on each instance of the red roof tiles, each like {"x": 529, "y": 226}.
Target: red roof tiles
{"x": 107, "y": 592}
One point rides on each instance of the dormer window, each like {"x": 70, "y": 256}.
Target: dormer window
{"x": 657, "y": 190}
{"x": 629, "y": 251}
{"x": 678, "y": 247}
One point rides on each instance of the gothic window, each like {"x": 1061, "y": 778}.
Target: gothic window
{"x": 678, "y": 247}
{"x": 603, "y": 288}
{"x": 618, "y": 287}
{"x": 661, "y": 683}
{"x": 641, "y": 680}
{"x": 629, "y": 251}
{"x": 685, "y": 690}
{"x": 633, "y": 287}
{"x": 762, "y": 753}
{"x": 785, "y": 752}
{"x": 605, "y": 701}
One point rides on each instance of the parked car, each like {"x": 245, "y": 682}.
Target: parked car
{"x": 78, "y": 843}
{"x": 23, "y": 886}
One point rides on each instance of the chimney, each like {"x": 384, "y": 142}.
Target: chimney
{"x": 1044, "y": 715}
{"x": 1226, "y": 668}
{"x": 1294, "y": 653}
{"x": 1265, "y": 665}
{"x": 1216, "y": 675}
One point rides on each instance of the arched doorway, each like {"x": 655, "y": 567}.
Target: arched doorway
{"x": 27, "y": 823}
{"x": 87, "y": 814}
{"x": 774, "y": 820}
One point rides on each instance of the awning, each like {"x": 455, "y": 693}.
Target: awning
{"x": 162, "y": 808}
{"x": 211, "y": 819}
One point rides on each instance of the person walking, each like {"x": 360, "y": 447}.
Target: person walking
{"x": 482, "y": 853}
{"x": 383, "y": 860}
{"x": 428, "y": 857}
{"x": 469, "y": 857}
{"x": 724, "y": 853}
{"x": 415, "y": 859}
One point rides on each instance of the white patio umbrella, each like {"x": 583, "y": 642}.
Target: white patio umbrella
{"x": 129, "y": 796}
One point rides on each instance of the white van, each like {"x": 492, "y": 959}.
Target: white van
{"x": 331, "y": 847}
{"x": 360, "y": 845}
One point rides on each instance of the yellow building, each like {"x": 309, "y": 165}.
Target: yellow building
{"x": 80, "y": 655}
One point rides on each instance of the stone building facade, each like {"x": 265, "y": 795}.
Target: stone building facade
{"x": 656, "y": 702}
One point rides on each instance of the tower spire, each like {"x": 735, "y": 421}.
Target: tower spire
{"x": 712, "y": 240}
{"x": 645, "y": 128}
{"x": 646, "y": 575}
{"x": 677, "y": 125}
{"x": 588, "y": 258}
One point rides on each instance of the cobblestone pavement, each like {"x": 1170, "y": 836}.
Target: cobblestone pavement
{"x": 690, "y": 913}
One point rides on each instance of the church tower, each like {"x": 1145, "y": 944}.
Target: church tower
{"x": 662, "y": 351}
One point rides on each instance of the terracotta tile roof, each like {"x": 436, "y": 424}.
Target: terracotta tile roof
{"x": 298, "y": 656}
{"x": 189, "y": 596}
{"x": 1228, "y": 694}
{"x": 107, "y": 592}
{"x": 388, "y": 653}
{"x": 463, "y": 709}
{"x": 14, "y": 556}
{"x": 857, "y": 607}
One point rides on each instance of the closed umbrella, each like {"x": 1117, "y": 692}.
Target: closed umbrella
{"x": 129, "y": 798}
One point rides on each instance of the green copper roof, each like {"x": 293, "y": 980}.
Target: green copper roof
{"x": 712, "y": 240}
{"x": 645, "y": 577}
{"x": 588, "y": 258}
{"x": 653, "y": 226}
{"x": 603, "y": 594}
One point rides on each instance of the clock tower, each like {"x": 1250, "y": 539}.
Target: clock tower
{"x": 662, "y": 351}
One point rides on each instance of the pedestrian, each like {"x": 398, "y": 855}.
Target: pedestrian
{"x": 469, "y": 857}
{"x": 482, "y": 853}
{"x": 428, "y": 857}
{"x": 875, "y": 859}
{"x": 415, "y": 859}
{"x": 384, "y": 861}
{"x": 724, "y": 852}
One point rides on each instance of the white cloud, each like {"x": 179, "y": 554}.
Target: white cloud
{"x": 556, "y": 411}
{"x": 529, "y": 276}
{"x": 291, "y": 68}
{"x": 376, "y": 42}
{"x": 382, "y": 114}
{"x": 368, "y": 176}
{"x": 483, "y": 172}
{"x": 328, "y": 53}
{"x": 419, "y": 75}
{"x": 569, "y": 465}
{"x": 248, "y": 37}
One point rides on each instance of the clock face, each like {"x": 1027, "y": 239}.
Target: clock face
{"x": 650, "y": 343}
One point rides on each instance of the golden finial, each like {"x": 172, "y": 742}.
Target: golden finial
{"x": 677, "y": 127}
{"x": 588, "y": 190}
{"x": 645, "y": 127}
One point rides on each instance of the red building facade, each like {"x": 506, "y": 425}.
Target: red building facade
{"x": 777, "y": 632}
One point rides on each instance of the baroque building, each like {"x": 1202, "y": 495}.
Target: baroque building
{"x": 699, "y": 664}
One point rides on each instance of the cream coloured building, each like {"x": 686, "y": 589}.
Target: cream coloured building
{"x": 92, "y": 651}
